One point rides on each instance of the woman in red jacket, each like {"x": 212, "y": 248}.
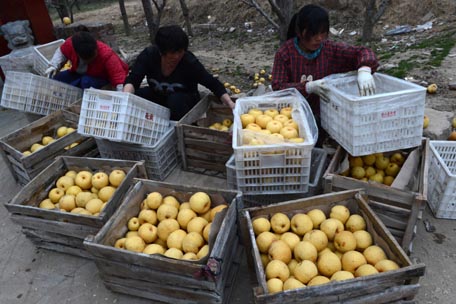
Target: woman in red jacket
{"x": 93, "y": 63}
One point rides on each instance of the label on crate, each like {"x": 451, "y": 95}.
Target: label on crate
{"x": 104, "y": 106}
{"x": 388, "y": 114}
{"x": 149, "y": 116}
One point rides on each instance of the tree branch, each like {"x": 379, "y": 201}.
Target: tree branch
{"x": 276, "y": 9}
{"x": 255, "y": 4}
{"x": 381, "y": 9}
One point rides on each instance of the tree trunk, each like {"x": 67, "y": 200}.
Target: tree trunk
{"x": 185, "y": 13}
{"x": 372, "y": 14}
{"x": 149, "y": 14}
{"x": 286, "y": 9}
{"x": 123, "y": 11}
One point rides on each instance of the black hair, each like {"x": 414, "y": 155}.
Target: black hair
{"x": 171, "y": 38}
{"x": 84, "y": 44}
{"x": 312, "y": 18}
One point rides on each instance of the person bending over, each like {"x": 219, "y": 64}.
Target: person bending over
{"x": 173, "y": 74}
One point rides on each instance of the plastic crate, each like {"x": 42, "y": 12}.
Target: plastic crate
{"x": 37, "y": 94}
{"x": 122, "y": 117}
{"x": 42, "y": 55}
{"x": 318, "y": 162}
{"x": 442, "y": 179}
{"x": 160, "y": 159}
{"x": 275, "y": 168}
{"x": 392, "y": 119}
{"x": 20, "y": 60}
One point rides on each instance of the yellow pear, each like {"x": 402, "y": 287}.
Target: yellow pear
{"x": 83, "y": 179}
{"x": 291, "y": 239}
{"x": 192, "y": 242}
{"x": 355, "y": 222}
{"x": 206, "y": 232}
{"x": 352, "y": 260}
{"x": 175, "y": 239}
{"x": 305, "y": 271}
{"x": 171, "y": 200}
{"x": 94, "y": 205}
{"x": 292, "y": 283}
{"x": 279, "y": 250}
{"x": 67, "y": 202}
{"x": 216, "y": 210}
{"x": 365, "y": 270}
{"x": 147, "y": 232}
{"x": 154, "y": 249}
{"x": 120, "y": 243}
{"x": 47, "y": 204}
{"x": 328, "y": 264}
{"x": 46, "y": 140}
{"x": 64, "y": 182}
{"x": 386, "y": 265}
{"x": 342, "y": 275}
{"x": 154, "y": 200}
{"x": 55, "y": 194}
{"x": 340, "y": 212}
{"x": 62, "y": 131}
{"x": 374, "y": 254}
{"x": 301, "y": 223}
{"x": 305, "y": 250}
{"x": 100, "y": 180}
{"x": 260, "y": 225}
{"x": 330, "y": 227}
{"x": 184, "y": 216}
{"x": 280, "y": 223}
{"x": 200, "y": 202}
{"x": 318, "y": 280}
{"x": 189, "y": 256}
{"x": 345, "y": 241}
{"x": 274, "y": 285}
{"x": 166, "y": 211}
{"x": 106, "y": 193}
{"x": 147, "y": 216}
{"x": 116, "y": 177}
{"x": 165, "y": 228}
{"x": 264, "y": 240}
{"x": 369, "y": 160}
{"x": 73, "y": 190}
{"x": 363, "y": 239}
{"x": 83, "y": 197}
{"x": 174, "y": 253}
{"x": 317, "y": 216}
{"x": 197, "y": 224}
{"x": 133, "y": 224}
{"x": 204, "y": 251}
{"x": 277, "y": 269}
{"x": 135, "y": 243}
{"x": 318, "y": 238}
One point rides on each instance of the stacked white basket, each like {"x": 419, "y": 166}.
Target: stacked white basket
{"x": 442, "y": 179}
{"x": 36, "y": 94}
{"x": 392, "y": 119}
{"x": 42, "y": 55}
{"x": 274, "y": 168}
{"x": 122, "y": 117}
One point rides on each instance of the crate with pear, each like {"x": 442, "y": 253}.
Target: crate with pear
{"x": 71, "y": 198}
{"x": 171, "y": 243}
{"x": 273, "y": 138}
{"x": 33, "y": 147}
{"x": 326, "y": 249}
{"x": 395, "y": 181}
{"x": 204, "y": 137}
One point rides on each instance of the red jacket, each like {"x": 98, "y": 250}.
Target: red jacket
{"x": 107, "y": 65}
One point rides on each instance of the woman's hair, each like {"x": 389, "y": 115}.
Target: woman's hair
{"x": 312, "y": 18}
{"x": 171, "y": 38}
{"x": 84, "y": 44}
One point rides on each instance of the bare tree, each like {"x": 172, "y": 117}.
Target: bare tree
{"x": 153, "y": 21}
{"x": 123, "y": 11}
{"x": 65, "y": 7}
{"x": 283, "y": 10}
{"x": 185, "y": 13}
{"x": 372, "y": 14}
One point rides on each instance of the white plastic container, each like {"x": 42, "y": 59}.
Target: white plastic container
{"x": 392, "y": 119}
{"x": 274, "y": 168}
{"x": 441, "y": 193}
{"x": 159, "y": 159}
{"x": 122, "y": 117}
{"x": 37, "y": 94}
{"x": 42, "y": 55}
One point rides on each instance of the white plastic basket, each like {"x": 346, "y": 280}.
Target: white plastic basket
{"x": 122, "y": 117}
{"x": 274, "y": 168}
{"x": 392, "y": 119}
{"x": 20, "y": 60}
{"x": 42, "y": 55}
{"x": 159, "y": 159}
{"x": 37, "y": 94}
{"x": 318, "y": 161}
{"x": 441, "y": 193}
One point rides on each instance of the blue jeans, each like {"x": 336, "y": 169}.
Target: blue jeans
{"x": 80, "y": 81}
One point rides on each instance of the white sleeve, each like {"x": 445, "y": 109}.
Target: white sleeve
{"x": 58, "y": 59}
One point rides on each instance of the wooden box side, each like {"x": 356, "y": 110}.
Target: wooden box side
{"x": 356, "y": 201}
{"x": 101, "y": 245}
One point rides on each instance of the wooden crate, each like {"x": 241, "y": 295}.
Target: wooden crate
{"x": 157, "y": 277}
{"x": 25, "y": 168}
{"x": 64, "y": 231}
{"x": 387, "y": 287}
{"x": 399, "y": 209}
{"x": 204, "y": 150}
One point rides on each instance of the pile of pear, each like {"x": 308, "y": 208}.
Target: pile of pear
{"x": 83, "y": 192}
{"x": 46, "y": 140}
{"x": 314, "y": 248}
{"x": 270, "y": 126}
{"x": 376, "y": 167}
{"x": 168, "y": 227}
{"x": 224, "y": 125}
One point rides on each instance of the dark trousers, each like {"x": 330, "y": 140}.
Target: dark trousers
{"x": 80, "y": 81}
{"x": 179, "y": 103}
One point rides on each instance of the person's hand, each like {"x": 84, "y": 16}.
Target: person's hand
{"x": 50, "y": 72}
{"x": 318, "y": 87}
{"x": 366, "y": 84}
